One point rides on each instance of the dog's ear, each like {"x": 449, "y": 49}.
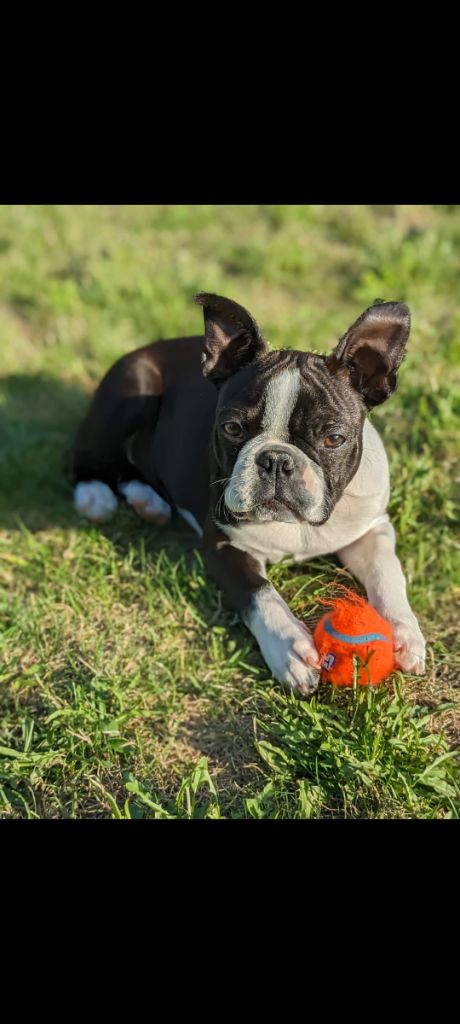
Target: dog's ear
{"x": 372, "y": 350}
{"x": 232, "y": 337}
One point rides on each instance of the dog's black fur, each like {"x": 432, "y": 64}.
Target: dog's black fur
{"x": 159, "y": 412}
{"x": 197, "y": 420}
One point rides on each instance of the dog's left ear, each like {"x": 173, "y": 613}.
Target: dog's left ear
{"x": 372, "y": 350}
{"x": 232, "y": 337}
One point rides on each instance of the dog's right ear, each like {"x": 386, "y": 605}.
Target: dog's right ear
{"x": 232, "y": 338}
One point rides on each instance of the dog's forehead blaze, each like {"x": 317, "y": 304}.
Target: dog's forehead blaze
{"x": 280, "y": 399}
{"x": 253, "y": 390}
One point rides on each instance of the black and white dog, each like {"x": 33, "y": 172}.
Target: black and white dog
{"x": 265, "y": 454}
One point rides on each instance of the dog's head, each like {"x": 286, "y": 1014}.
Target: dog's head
{"x": 288, "y": 430}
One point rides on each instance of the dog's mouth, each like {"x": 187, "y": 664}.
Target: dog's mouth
{"x": 278, "y": 505}
{"x": 265, "y": 510}
{"x": 273, "y": 509}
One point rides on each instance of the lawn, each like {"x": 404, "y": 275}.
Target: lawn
{"x": 127, "y": 689}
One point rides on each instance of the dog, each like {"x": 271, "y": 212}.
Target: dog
{"x": 266, "y": 454}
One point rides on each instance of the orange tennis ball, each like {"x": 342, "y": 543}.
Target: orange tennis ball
{"x": 353, "y": 628}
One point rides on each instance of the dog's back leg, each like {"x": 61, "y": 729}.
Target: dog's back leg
{"x": 116, "y": 430}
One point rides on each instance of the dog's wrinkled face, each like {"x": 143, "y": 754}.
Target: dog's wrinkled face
{"x": 288, "y": 430}
{"x": 287, "y": 442}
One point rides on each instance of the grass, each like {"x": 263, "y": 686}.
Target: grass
{"x": 127, "y": 689}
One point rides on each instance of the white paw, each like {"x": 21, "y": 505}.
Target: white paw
{"x": 146, "y": 502}
{"x": 409, "y": 646}
{"x": 286, "y": 644}
{"x": 95, "y": 500}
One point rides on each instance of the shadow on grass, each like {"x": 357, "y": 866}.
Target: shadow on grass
{"x": 39, "y": 417}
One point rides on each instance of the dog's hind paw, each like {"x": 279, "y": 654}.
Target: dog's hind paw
{"x": 95, "y": 500}
{"x": 146, "y": 502}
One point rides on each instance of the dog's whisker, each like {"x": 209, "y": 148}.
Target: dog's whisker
{"x": 223, "y": 480}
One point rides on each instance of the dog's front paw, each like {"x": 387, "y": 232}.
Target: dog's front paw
{"x": 286, "y": 644}
{"x": 295, "y": 673}
{"x": 409, "y": 646}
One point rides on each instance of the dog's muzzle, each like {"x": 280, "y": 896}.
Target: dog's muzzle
{"x": 272, "y": 481}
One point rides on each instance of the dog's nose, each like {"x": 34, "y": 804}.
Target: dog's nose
{"x": 273, "y": 461}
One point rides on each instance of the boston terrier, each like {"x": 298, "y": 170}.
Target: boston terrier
{"x": 266, "y": 454}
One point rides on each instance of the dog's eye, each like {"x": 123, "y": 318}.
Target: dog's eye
{"x": 233, "y": 429}
{"x": 333, "y": 440}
